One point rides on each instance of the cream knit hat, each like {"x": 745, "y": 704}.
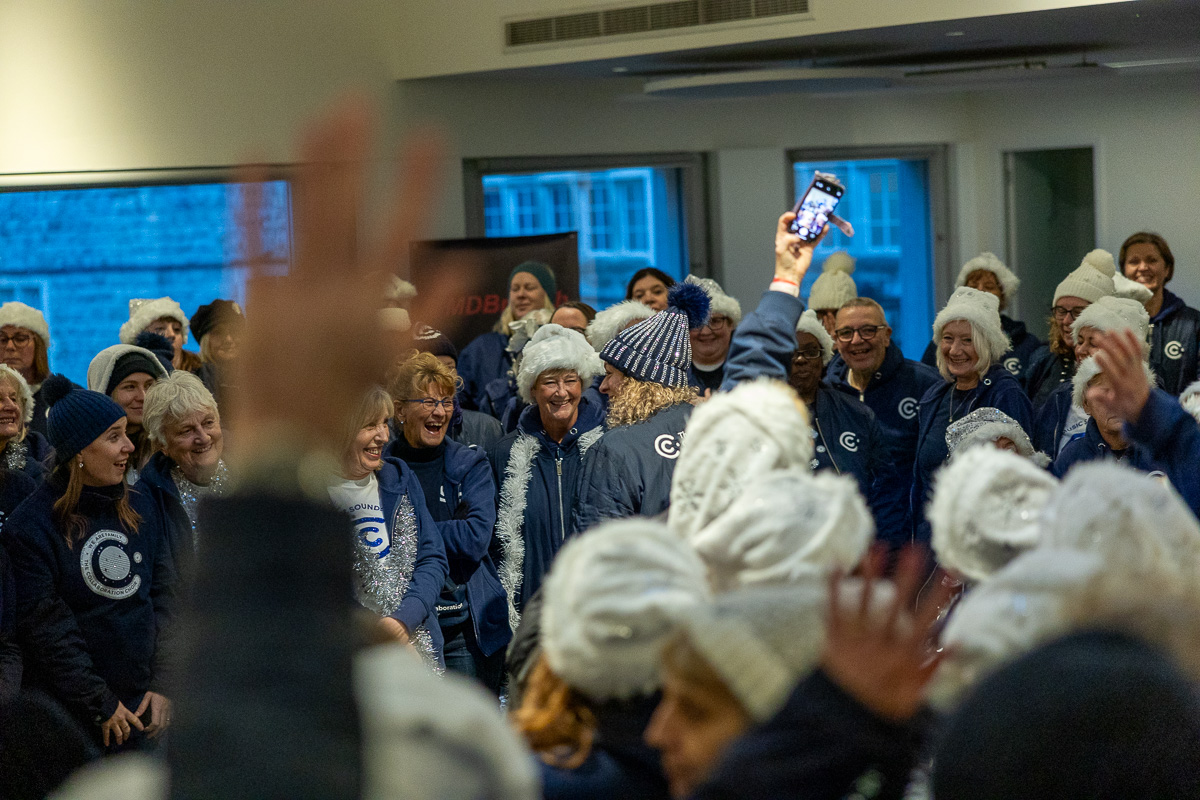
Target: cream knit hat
{"x": 834, "y": 286}
{"x": 810, "y": 324}
{"x": 982, "y": 310}
{"x": 1009, "y": 282}
{"x": 1092, "y": 280}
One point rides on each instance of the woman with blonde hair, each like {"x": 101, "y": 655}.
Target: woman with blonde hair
{"x": 24, "y": 345}
{"x": 21, "y": 449}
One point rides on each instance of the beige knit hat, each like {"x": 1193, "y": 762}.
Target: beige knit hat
{"x": 1092, "y": 280}
{"x": 834, "y": 287}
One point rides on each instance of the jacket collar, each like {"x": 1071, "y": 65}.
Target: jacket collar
{"x": 1171, "y": 304}
{"x": 590, "y": 416}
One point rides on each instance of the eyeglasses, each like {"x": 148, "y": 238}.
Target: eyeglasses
{"x": 866, "y": 333}
{"x": 429, "y": 404}
{"x": 809, "y": 353}
{"x": 717, "y": 324}
{"x": 1061, "y": 313}
{"x": 19, "y": 339}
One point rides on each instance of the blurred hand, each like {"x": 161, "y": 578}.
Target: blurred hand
{"x": 119, "y": 727}
{"x": 1119, "y": 356}
{"x": 883, "y": 657}
{"x": 160, "y": 713}
{"x": 793, "y": 255}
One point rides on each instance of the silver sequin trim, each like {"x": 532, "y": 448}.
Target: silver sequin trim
{"x": 190, "y": 494}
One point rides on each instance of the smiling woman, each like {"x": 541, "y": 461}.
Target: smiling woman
{"x": 125, "y": 372}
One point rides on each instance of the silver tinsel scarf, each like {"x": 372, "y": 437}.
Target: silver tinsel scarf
{"x": 190, "y": 494}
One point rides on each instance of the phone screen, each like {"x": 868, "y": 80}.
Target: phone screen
{"x": 813, "y": 210}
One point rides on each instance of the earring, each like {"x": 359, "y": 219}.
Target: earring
{"x": 81, "y": 463}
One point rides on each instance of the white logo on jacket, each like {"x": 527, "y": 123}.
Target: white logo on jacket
{"x": 908, "y": 407}
{"x": 667, "y": 445}
{"x": 107, "y": 567}
{"x": 1013, "y": 365}
{"x": 849, "y": 440}
{"x": 1173, "y": 350}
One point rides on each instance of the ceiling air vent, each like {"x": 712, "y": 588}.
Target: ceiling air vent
{"x": 651, "y": 18}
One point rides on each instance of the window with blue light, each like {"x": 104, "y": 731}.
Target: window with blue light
{"x": 80, "y": 254}
{"x": 627, "y": 219}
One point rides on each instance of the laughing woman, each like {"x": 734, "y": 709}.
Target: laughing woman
{"x": 399, "y": 560}
{"x": 125, "y": 372}
{"x": 21, "y": 449}
{"x": 93, "y": 575}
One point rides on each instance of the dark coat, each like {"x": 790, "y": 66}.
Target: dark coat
{"x": 1016, "y": 359}
{"x": 996, "y": 389}
{"x": 14, "y": 488}
{"x": 1175, "y": 344}
{"x": 94, "y": 618}
{"x": 1172, "y": 437}
{"x": 538, "y": 481}
{"x": 478, "y": 429}
{"x": 762, "y": 345}
{"x": 1092, "y": 447}
{"x": 628, "y": 471}
{"x": 480, "y": 362}
{"x": 10, "y": 650}
{"x": 1050, "y": 419}
{"x": 469, "y": 491}
{"x": 155, "y": 480}
{"x": 1045, "y": 372}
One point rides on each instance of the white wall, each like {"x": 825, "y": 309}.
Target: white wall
{"x": 1143, "y": 130}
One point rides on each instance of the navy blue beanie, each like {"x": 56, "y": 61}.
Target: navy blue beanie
{"x": 542, "y": 272}
{"x": 77, "y": 416}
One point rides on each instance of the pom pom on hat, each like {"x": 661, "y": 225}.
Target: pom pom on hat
{"x": 1091, "y": 280}
{"x": 399, "y": 290}
{"x": 985, "y": 510}
{"x": 731, "y": 441}
{"x": 614, "y": 319}
{"x": 809, "y": 323}
{"x": 691, "y": 300}
{"x": 158, "y": 344}
{"x": 556, "y": 347}
{"x": 659, "y": 349}
{"x": 77, "y": 417}
{"x": 834, "y": 286}
{"x": 612, "y": 598}
{"x": 23, "y": 316}
{"x": 785, "y": 526}
{"x": 982, "y": 310}
{"x": 142, "y": 312}
{"x": 988, "y": 262}
{"x": 719, "y": 302}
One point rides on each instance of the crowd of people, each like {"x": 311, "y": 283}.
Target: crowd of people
{"x": 664, "y": 549}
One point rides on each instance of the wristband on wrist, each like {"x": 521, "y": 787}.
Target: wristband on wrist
{"x": 785, "y": 286}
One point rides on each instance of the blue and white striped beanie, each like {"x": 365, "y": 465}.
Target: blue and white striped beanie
{"x": 658, "y": 350}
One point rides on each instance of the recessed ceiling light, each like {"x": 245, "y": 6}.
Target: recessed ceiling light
{"x": 956, "y": 33}
{"x": 620, "y": 69}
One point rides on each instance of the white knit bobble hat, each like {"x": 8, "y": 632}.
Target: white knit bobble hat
{"x": 988, "y": 262}
{"x": 984, "y": 426}
{"x": 834, "y": 286}
{"x": 142, "y": 312}
{"x": 762, "y": 641}
{"x": 730, "y": 442}
{"x": 785, "y": 526}
{"x": 982, "y": 310}
{"x": 1113, "y": 314}
{"x": 1091, "y": 280}
{"x": 809, "y": 323}
{"x": 1130, "y": 290}
{"x": 556, "y": 347}
{"x": 612, "y": 598}
{"x": 1088, "y": 369}
{"x": 719, "y": 302}
{"x": 1126, "y": 517}
{"x": 614, "y": 319}
{"x": 23, "y": 390}
{"x": 1019, "y": 607}
{"x": 985, "y": 510}
{"x": 17, "y": 313}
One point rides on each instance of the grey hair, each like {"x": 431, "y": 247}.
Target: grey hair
{"x": 173, "y": 398}
{"x": 983, "y": 349}
{"x": 25, "y": 394}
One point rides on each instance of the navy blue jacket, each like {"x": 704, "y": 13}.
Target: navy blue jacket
{"x": 1016, "y": 359}
{"x": 538, "y": 482}
{"x": 628, "y": 471}
{"x": 480, "y": 362}
{"x": 469, "y": 492}
{"x": 1092, "y": 447}
{"x": 1050, "y": 419}
{"x": 94, "y": 618}
{"x": 1172, "y": 436}
{"x": 476, "y": 428}
{"x": 1045, "y": 373}
{"x": 430, "y": 568}
{"x": 762, "y": 345}
{"x": 155, "y": 480}
{"x": 621, "y": 764}
{"x": 850, "y": 441}
{"x": 996, "y": 389}
{"x": 1174, "y": 344}
{"x": 10, "y": 651}
{"x": 14, "y": 488}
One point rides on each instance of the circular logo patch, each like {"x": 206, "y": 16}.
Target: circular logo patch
{"x": 1013, "y": 365}
{"x": 908, "y": 407}
{"x": 667, "y": 446}
{"x": 1173, "y": 350}
{"x": 107, "y": 565}
{"x": 849, "y": 440}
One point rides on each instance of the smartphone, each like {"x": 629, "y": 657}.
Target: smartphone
{"x": 815, "y": 205}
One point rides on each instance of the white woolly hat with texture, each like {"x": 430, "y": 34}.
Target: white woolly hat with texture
{"x": 1019, "y": 607}
{"x": 1126, "y": 517}
{"x": 556, "y": 347}
{"x": 730, "y": 442}
{"x": 786, "y": 526}
{"x": 986, "y": 509}
{"x": 981, "y": 309}
{"x": 988, "y": 262}
{"x": 142, "y": 312}
{"x": 1088, "y": 369}
{"x": 1113, "y": 314}
{"x": 719, "y": 302}
{"x": 17, "y": 313}
{"x": 984, "y": 426}
{"x": 1130, "y": 290}
{"x": 834, "y": 286}
{"x": 612, "y": 599}
{"x": 762, "y": 640}
{"x": 103, "y": 363}
{"x": 1091, "y": 280}
{"x": 809, "y": 323}
{"x": 614, "y": 319}
{"x": 25, "y": 394}
{"x": 399, "y": 290}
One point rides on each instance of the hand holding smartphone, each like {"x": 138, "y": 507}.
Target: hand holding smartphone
{"x": 815, "y": 207}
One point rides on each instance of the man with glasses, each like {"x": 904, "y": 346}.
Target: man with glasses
{"x": 874, "y": 370}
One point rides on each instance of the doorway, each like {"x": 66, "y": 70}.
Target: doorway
{"x": 1050, "y": 215}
